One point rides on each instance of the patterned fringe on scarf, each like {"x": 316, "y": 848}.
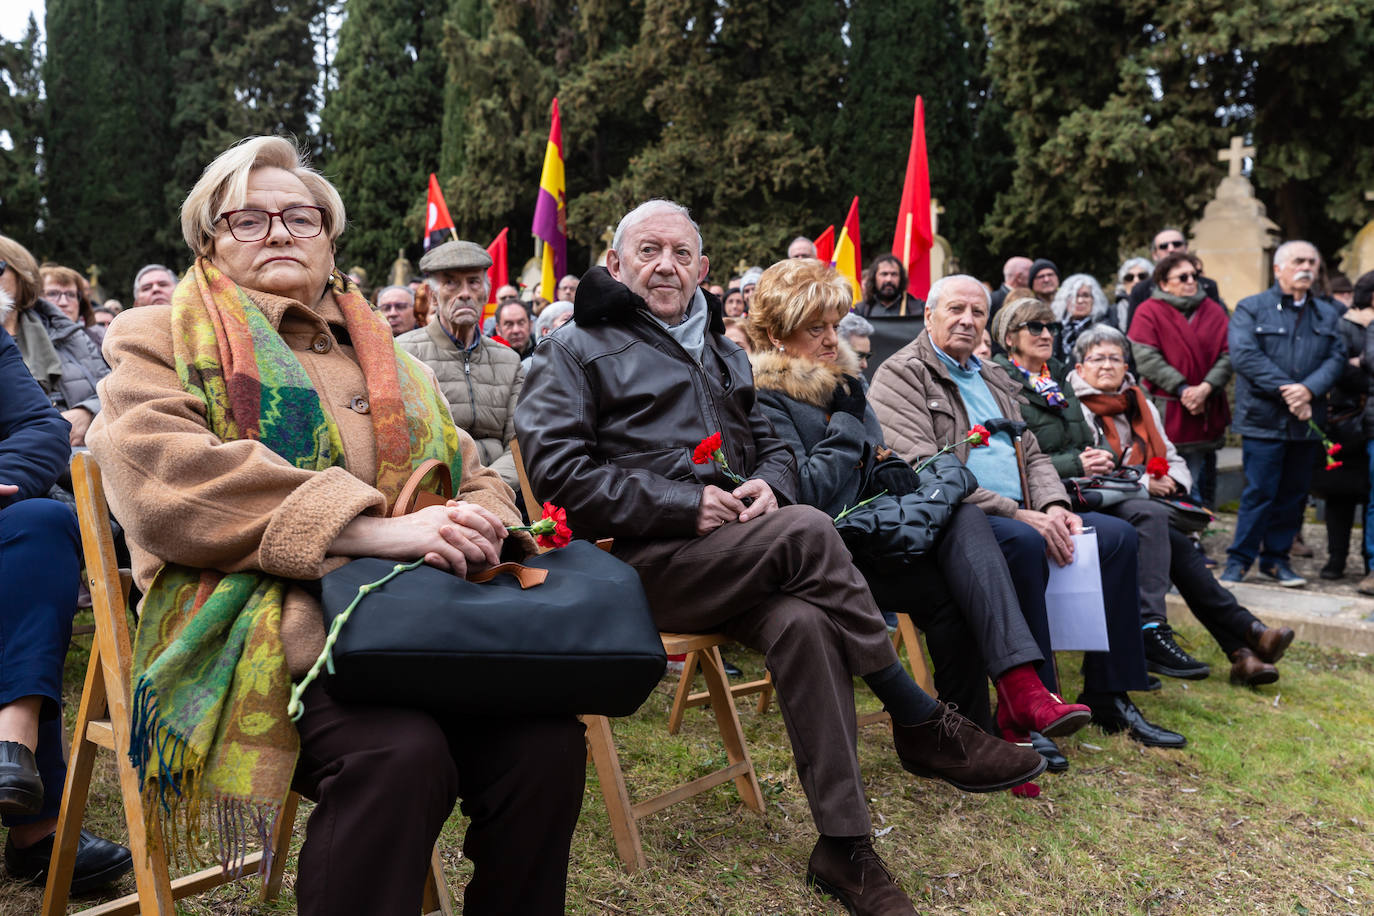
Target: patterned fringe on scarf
{"x": 174, "y": 804}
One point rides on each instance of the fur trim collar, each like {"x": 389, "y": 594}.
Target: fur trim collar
{"x": 806, "y": 380}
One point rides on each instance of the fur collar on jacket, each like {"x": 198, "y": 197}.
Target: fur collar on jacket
{"x": 601, "y": 297}
{"x": 801, "y": 379}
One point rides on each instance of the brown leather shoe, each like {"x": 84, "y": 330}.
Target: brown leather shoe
{"x": 1269, "y": 643}
{"x": 947, "y": 746}
{"x": 1247, "y": 669}
{"x": 1366, "y": 586}
{"x": 851, "y": 872}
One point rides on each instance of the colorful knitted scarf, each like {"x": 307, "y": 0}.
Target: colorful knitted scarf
{"x": 210, "y": 733}
{"x": 1146, "y": 440}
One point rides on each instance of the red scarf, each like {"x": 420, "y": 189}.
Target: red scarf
{"x": 1146, "y": 441}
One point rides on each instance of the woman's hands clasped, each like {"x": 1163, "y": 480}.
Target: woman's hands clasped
{"x": 458, "y": 537}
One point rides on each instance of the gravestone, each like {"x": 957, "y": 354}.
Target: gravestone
{"x": 401, "y": 269}
{"x": 1235, "y": 239}
{"x": 1358, "y": 257}
{"x": 942, "y": 260}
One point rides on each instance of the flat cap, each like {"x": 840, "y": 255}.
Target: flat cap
{"x": 456, "y": 255}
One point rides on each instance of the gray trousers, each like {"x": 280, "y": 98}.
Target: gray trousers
{"x": 1151, "y": 522}
{"x": 784, "y": 584}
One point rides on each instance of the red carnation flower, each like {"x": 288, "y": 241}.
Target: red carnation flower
{"x": 706, "y": 450}
{"x": 552, "y": 530}
{"x": 1332, "y": 465}
{"x": 1157, "y": 467}
{"x": 1334, "y": 449}
{"x": 978, "y": 436}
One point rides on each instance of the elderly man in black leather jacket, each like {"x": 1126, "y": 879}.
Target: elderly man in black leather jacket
{"x": 613, "y": 409}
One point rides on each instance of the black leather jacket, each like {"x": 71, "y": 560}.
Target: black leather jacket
{"x": 613, "y": 408}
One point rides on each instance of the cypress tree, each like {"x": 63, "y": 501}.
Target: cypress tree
{"x": 108, "y": 143}
{"x": 381, "y": 125}
{"x": 21, "y": 113}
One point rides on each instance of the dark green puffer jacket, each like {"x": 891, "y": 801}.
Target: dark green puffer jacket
{"x": 1062, "y": 434}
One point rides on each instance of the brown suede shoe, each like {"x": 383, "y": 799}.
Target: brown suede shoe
{"x": 950, "y": 747}
{"x": 1269, "y": 643}
{"x": 851, "y": 872}
{"x": 1247, "y": 670}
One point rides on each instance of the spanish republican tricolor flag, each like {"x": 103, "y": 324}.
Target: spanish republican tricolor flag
{"x": 438, "y": 224}
{"x": 551, "y": 210}
{"x": 913, "y": 239}
{"x": 847, "y": 258}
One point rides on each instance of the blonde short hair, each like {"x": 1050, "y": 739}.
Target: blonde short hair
{"x": 793, "y": 292}
{"x": 25, "y": 269}
{"x": 224, "y": 186}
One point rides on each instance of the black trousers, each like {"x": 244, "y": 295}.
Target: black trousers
{"x": 1213, "y": 605}
{"x": 385, "y": 780}
{"x": 962, "y": 597}
{"x": 1122, "y": 667}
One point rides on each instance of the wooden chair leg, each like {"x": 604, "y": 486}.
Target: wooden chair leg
{"x": 920, "y": 671}
{"x": 76, "y": 791}
{"x": 612, "y": 779}
{"x": 281, "y": 848}
{"x": 766, "y": 694}
{"x": 437, "y": 899}
{"x": 684, "y": 690}
{"x": 727, "y": 719}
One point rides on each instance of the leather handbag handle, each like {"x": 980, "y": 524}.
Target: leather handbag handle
{"x": 527, "y": 576}
{"x": 413, "y": 498}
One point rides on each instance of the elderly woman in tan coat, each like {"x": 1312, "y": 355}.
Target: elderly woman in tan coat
{"x": 255, "y": 434}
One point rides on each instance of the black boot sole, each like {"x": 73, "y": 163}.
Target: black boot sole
{"x": 1068, "y": 724}
{"x": 1183, "y": 674}
{"x": 1007, "y": 784}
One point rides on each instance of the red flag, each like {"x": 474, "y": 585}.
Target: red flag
{"x": 848, "y": 259}
{"x": 825, "y": 244}
{"x": 438, "y": 224}
{"x": 498, "y": 275}
{"x": 913, "y": 239}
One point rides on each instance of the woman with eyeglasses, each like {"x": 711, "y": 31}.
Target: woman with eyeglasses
{"x": 1124, "y": 421}
{"x": 1078, "y": 304}
{"x": 1131, "y": 272}
{"x": 1178, "y": 336}
{"x": 58, "y": 352}
{"x": 257, "y": 433}
{"x": 69, "y": 291}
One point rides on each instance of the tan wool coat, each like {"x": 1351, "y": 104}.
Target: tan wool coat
{"x": 921, "y": 410}
{"x": 184, "y": 496}
{"x": 481, "y": 385}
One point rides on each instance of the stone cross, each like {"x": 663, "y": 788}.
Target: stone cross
{"x": 935, "y": 211}
{"x": 608, "y": 236}
{"x": 1234, "y": 156}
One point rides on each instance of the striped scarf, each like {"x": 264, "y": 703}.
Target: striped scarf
{"x": 210, "y": 733}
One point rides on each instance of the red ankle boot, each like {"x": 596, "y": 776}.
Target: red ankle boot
{"x": 1024, "y": 705}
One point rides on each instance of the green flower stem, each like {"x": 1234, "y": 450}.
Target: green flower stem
{"x": 542, "y": 526}
{"x": 719, "y": 457}
{"x": 846, "y": 511}
{"x": 944, "y": 451}
{"x": 326, "y": 659}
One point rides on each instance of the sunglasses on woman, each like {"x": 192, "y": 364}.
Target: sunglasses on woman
{"x": 1136, "y": 278}
{"x": 1039, "y": 327}
{"x": 1183, "y": 278}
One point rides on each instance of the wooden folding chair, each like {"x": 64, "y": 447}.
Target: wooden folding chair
{"x": 103, "y": 722}
{"x": 625, "y": 814}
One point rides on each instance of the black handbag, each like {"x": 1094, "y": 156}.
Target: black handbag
{"x": 891, "y": 532}
{"x": 1188, "y": 517}
{"x": 581, "y": 640}
{"x": 1088, "y": 494}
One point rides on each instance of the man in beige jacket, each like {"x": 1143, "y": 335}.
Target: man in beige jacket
{"x": 480, "y": 377}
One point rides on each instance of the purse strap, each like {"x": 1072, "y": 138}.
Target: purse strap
{"x": 527, "y": 576}
{"x": 413, "y": 497}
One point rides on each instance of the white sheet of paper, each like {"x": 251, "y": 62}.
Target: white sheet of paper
{"x": 1073, "y": 598}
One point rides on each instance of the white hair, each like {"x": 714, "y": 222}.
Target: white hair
{"x": 1125, "y": 268}
{"x": 1096, "y": 336}
{"x": 410, "y": 293}
{"x": 552, "y": 312}
{"x": 1068, "y": 290}
{"x": 149, "y": 268}
{"x": 855, "y": 325}
{"x": 937, "y": 290}
{"x": 1285, "y": 251}
{"x": 646, "y": 210}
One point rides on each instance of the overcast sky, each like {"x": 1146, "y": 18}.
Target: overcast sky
{"x": 14, "y": 16}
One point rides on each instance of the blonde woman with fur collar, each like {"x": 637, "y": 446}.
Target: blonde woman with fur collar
{"x": 808, "y": 387}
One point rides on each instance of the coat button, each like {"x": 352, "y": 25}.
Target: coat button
{"x": 321, "y": 343}
{"x": 360, "y": 404}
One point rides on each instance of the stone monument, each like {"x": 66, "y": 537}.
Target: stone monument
{"x": 942, "y": 260}
{"x": 1358, "y": 257}
{"x": 401, "y": 269}
{"x": 1235, "y": 239}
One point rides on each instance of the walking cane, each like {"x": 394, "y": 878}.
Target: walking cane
{"x": 1014, "y": 429}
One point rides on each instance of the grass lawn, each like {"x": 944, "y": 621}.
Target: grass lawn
{"x": 1269, "y": 810}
